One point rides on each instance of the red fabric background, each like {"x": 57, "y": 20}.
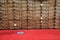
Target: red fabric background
{"x": 30, "y": 34}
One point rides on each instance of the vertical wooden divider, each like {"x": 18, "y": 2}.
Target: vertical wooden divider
{"x": 51, "y": 13}
{"x": 30, "y": 14}
{"x": 57, "y": 16}
{"x": 24, "y": 14}
{"x": 36, "y": 14}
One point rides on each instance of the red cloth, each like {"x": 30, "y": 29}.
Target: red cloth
{"x": 30, "y": 34}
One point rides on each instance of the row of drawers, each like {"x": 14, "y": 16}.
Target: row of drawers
{"x": 30, "y": 23}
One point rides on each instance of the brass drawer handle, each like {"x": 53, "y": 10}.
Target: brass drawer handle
{"x": 15, "y": 24}
{"x": 41, "y": 4}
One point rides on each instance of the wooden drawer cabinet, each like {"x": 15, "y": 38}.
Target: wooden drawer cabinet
{"x": 29, "y": 14}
